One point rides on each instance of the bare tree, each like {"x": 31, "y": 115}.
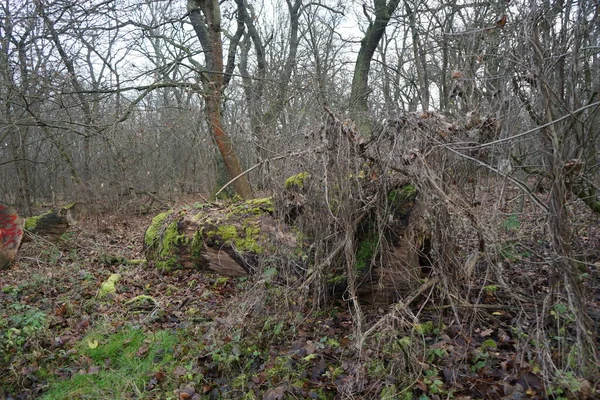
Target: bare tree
{"x": 382, "y": 11}
{"x": 205, "y": 16}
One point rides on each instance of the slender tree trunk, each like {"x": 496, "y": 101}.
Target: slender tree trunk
{"x": 420, "y": 58}
{"x": 360, "y": 81}
{"x": 205, "y": 16}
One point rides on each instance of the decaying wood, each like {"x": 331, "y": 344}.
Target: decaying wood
{"x": 54, "y": 223}
{"x": 11, "y": 233}
{"x": 224, "y": 239}
{"x": 393, "y": 183}
{"x": 414, "y": 234}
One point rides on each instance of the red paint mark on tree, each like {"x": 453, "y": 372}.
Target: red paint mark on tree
{"x": 10, "y": 228}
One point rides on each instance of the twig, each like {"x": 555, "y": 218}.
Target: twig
{"x": 400, "y": 305}
{"x": 517, "y": 182}
{"x": 537, "y": 128}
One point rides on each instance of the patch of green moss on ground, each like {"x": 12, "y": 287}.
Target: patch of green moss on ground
{"x": 296, "y": 181}
{"x": 152, "y": 233}
{"x": 108, "y": 287}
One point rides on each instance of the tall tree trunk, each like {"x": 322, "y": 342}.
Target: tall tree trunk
{"x": 420, "y": 58}
{"x": 360, "y": 81}
{"x": 205, "y": 16}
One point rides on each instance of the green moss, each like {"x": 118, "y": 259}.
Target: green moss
{"x": 227, "y": 232}
{"x": 296, "y": 181}
{"x": 167, "y": 265}
{"x": 170, "y": 240}
{"x": 254, "y": 207}
{"x": 152, "y": 233}
{"x": 197, "y": 243}
{"x": 108, "y": 287}
{"x": 31, "y": 222}
{"x": 140, "y": 302}
{"x": 364, "y": 254}
{"x": 247, "y": 241}
{"x": 405, "y": 193}
{"x": 165, "y": 241}
{"x": 424, "y": 328}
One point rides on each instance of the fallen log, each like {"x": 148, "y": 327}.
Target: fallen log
{"x": 225, "y": 239}
{"x": 11, "y": 233}
{"x": 52, "y": 224}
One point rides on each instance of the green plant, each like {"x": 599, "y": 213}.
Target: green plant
{"x": 482, "y": 355}
{"x": 433, "y": 381}
{"x": 566, "y": 384}
{"x": 8, "y": 289}
{"x": 51, "y": 254}
{"x": 116, "y": 364}
{"x": 511, "y": 223}
{"x": 510, "y": 251}
{"x": 221, "y": 281}
{"x": 491, "y": 288}
{"x": 433, "y": 354}
{"x": 22, "y": 325}
{"x": 388, "y": 393}
{"x": 425, "y": 328}
{"x": 334, "y": 372}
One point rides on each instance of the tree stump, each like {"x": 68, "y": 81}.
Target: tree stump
{"x": 11, "y": 233}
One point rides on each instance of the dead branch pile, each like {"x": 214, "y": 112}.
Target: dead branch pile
{"x": 381, "y": 211}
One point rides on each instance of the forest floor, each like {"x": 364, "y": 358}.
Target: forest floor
{"x": 182, "y": 335}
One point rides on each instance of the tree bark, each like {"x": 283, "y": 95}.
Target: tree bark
{"x": 54, "y": 223}
{"x": 11, "y": 233}
{"x": 205, "y": 16}
{"x": 360, "y": 81}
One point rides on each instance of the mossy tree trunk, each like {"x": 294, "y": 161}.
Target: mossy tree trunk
{"x": 228, "y": 240}
{"x": 54, "y": 223}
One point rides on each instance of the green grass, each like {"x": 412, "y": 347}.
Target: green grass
{"x": 116, "y": 364}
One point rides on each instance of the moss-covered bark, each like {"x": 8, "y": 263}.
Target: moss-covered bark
{"x": 54, "y": 223}
{"x": 223, "y": 239}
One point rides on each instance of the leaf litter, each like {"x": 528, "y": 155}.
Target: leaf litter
{"x": 310, "y": 355}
